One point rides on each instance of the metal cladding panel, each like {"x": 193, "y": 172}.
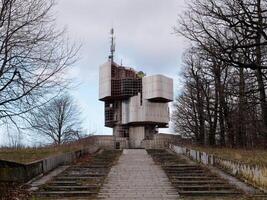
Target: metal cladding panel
{"x": 157, "y": 86}
{"x": 156, "y": 112}
{"x": 147, "y": 112}
{"x": 136, "y": 113}
{"x": 105, "y": 80}
{"x": 125, "y": 112}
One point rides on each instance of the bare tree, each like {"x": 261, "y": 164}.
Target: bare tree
{"x": 33, "y": 56}
{"x": 232, "y": 35}
{"x": 213, "y": 108}
{"x": 58, "y": 120}
{"x": 232, "y": 31}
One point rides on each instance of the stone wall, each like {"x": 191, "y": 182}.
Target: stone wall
{"x": 104, "y": 141}
{"x": 124, "y": 143}
{"x": 109, "y": 142}
{"x": 17, "y": 172}
{"x": 255, "y": 175}
{"x": 160, "y": 141}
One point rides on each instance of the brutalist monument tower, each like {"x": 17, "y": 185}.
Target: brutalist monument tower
{"x": 135, "y": 105}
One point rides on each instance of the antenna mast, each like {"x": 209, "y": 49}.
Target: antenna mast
{"x": 112, "y": 46}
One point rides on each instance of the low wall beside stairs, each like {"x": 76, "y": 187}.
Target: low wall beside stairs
{"x": 255, "y": 175}
{"x": 160, "y": 141}
{"x": 18, "y": 172}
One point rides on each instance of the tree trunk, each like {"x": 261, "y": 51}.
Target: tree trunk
{"x": 241, "y": 135}
{"x": 259, "y": 74}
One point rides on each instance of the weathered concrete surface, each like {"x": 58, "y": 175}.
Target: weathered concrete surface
{"x": 34, "y": 185}
{"x": 18, "y": 172}
{"x": 160, "y": 141}
{"x": 252, "y": 174}
{"x": 137, "y": 177}
{"x": 247, "y": 189}
{"x": 82, "y": 180}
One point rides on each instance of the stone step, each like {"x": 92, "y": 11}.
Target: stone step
{"x": 66, "y": 193}
{"x": 184, "y": 170}
{"x": 137, "y": 177}
{"x": 91, "y": 167}
{"x": 89, "y": 170}
{"x": 99, "y": 166}
{"x": 189, "y": 174}
{"x": 80, "y": 180}
{"x": 209, "y": 193}
{"x": 196, "y": 182}
{"x": 108, "y": 162}
{"x": 84, "y": 174}
{"x": 70, "y": 188}
{"x": 202, "y": 187}
{"x": 191, "y": 178}
{"x": 76, "y": 177}
{"x": 63, "y": 182}
{"x": 182, "y": 166}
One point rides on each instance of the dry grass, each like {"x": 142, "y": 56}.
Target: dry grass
{"x": 251, "y": 156}
{"x": 27, "y": 155}
{"x": 224, "y": 198}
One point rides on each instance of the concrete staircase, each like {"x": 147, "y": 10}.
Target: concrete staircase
{"x": 191, "y": 179}
{"x": 82, "y": 179}
{"x": 137, "y": 177}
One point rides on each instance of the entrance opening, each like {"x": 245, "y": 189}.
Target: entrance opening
{"x": 117, "y": 145}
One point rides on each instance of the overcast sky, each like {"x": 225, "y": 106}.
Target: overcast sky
{"x": 144, "y": 41}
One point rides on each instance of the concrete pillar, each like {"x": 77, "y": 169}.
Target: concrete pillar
{"x": 136, "y": 136}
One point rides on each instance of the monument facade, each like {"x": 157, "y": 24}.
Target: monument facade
{"x": 136, "y": 105}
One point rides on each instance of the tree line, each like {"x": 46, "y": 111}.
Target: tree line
{"x": 34, "y": 57}
{"x": 224, "y": 98}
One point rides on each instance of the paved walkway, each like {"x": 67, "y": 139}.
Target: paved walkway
{"x": 137, "y": 177}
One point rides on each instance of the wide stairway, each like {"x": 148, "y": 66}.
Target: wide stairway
{"x": 83, "y": 179}
{"x": 136, "y": 176}
{"x": 191, "y": 179}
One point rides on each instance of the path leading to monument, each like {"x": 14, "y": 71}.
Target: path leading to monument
{"x": 136, "y": 176}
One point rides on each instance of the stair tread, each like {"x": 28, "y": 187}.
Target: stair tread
{"x": 72, "y": 186}
{"x": 208, "y": 192}
{"x": 200, "y": 181}
{"x": 203, "y": 186}
{"x": 67, "y": 192}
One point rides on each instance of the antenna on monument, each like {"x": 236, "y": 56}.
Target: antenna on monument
{"x": 112, "y": 46}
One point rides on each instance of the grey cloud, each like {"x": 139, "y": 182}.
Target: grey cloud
{"x": 143, "y": 31}
{"x": 144, "y": 38}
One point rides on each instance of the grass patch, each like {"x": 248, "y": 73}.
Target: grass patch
{"x": 27, "y": 155}
{"x": 251, "y": 156}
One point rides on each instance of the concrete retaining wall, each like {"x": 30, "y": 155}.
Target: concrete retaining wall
{"x": 124, "y": 143}
{"x": 105, "y": 141}
{"x": 154, "y": 144}
{"x": 17, "y": 172}
{"x": 160, "y": 141}
{"x": 255, "y": 175}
